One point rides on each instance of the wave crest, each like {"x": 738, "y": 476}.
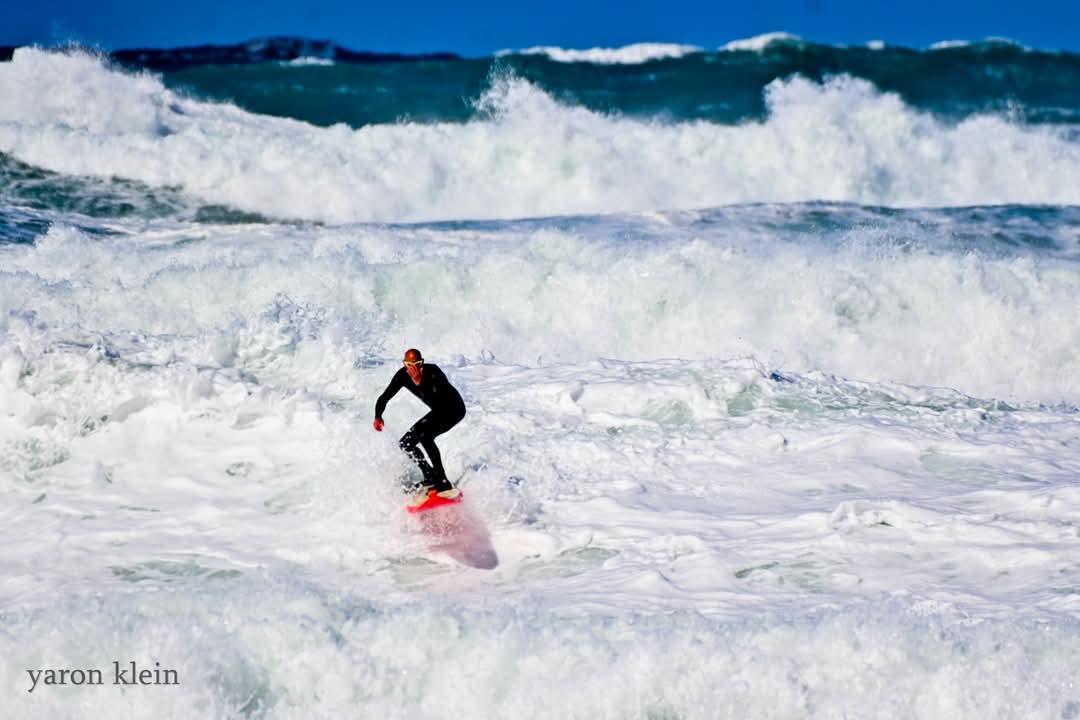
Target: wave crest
{"x": 626, "y": 55}
{"x": 528, "y": 154}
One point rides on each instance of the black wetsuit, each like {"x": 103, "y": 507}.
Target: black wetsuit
{"x": 447, "y": 410}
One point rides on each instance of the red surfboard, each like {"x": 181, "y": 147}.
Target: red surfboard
{"x": 432, "y": 500}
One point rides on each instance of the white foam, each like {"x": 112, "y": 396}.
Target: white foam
{"x": 638, "y": 290}
{"x": 949, "y": 44}
{"x": 990, "y": 40}
{"x": 306, "y": 61}
{"x": 758, "y": 43}
{"x": 627, "y": 55}
{"x": 191, "y": 478}
{"x": 528, "y": 155}
{"x": 312, "y": 655}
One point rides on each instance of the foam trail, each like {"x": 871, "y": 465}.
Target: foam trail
{"x": 527, "y": 155}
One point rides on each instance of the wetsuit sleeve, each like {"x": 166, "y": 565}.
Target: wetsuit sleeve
{"x": 396, "y": 383}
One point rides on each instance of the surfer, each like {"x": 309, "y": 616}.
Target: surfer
{"x": 428, "y": 383}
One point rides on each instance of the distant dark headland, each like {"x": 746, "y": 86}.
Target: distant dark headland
{"x": 274, "y": 49}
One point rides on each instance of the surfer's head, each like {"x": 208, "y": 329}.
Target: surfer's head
{"x": 414, "y": 364}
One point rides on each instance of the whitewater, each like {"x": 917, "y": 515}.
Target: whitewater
{"x": 768, "y": 419}
{"x": 841, "y": 141}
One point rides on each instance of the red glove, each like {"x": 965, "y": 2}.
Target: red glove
{"x": 378, "y": 424}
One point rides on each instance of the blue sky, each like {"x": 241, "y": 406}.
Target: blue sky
{"x": 478, "y": 28}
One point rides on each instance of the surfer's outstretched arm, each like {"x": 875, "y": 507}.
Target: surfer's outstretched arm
{"x": 396, "y": 383}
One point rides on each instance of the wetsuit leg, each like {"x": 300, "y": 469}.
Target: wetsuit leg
{"x": 438, "y": 474}
{"x": 410, "y": 444}
{"x": 423, "y": 434}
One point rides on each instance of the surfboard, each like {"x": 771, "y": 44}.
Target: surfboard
{"x": 429, "y": 500}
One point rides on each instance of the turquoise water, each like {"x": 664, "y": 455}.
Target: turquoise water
{"x": 720, "y": 87}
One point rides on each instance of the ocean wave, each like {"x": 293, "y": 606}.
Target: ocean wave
{"x": 307, "y": 61}
{"x": 762, "y": 42}
{"x": 867, "y": 296}
{"x": 768, "y": 41}
{"x": 950, "y": 44}
{"x": 281, "y": 49}
{"x": 524, "y": 153}
{"x": 626, "y": 55}
{"x": 987, "y": 43}
{"x": 717, "y": 86}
